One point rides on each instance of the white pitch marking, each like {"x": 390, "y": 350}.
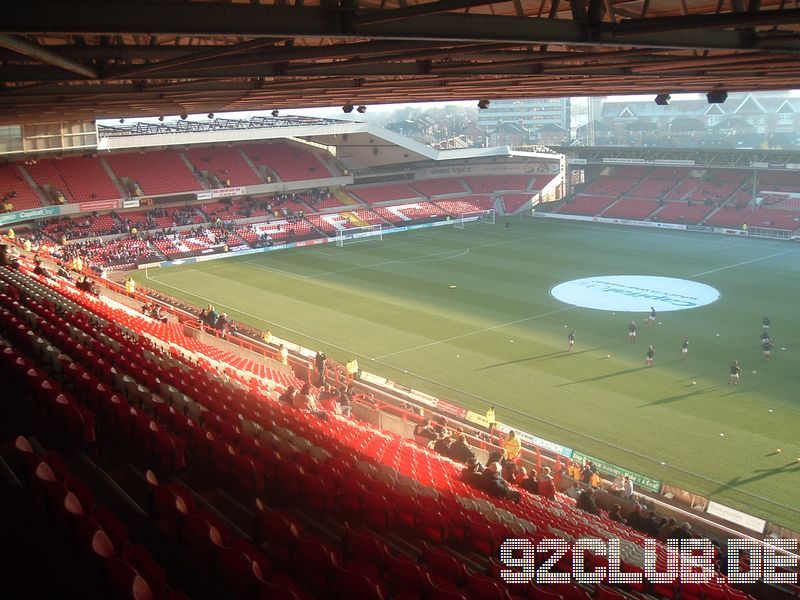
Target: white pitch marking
{"x": 739, "y": 264}
{"x": 273, "y": 323}
{"x": 473, "y": 332}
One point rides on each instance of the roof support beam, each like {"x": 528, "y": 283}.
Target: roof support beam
{"x": 220, "y": 19}
{"x": 417, "y": 10}
{"x": 24, "y": 47}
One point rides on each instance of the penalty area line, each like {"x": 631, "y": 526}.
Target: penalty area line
{"x": 473, "y": 332}
{"x": 740, "y": 264}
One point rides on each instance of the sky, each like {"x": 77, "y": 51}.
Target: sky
{"x": 336, "y": 111}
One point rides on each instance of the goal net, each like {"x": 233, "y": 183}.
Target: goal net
{"x": 352, "y": 235}
{"x": 479, "y": 216}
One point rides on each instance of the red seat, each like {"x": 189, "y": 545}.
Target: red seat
{"x": 315, "y": 562}
{"x": 316, "y": 495}
{"x": 443, "y": 565}
{"x": 482, "y": 587}
{"x": 109, "y": 523}
{"x": 357, "y": 586}
{"x": 540, "y": 592}
{"x": 235, "y": 576}
{"x": 365, "y": 547}
{"x": 405, "y": 576}
{"x": 148, "y": 568}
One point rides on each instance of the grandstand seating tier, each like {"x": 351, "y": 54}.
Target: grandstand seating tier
{"x": 157, "y": 172}
{"x": 12, "y": 181}
{"x": 225, "y": 163}
{"x": 631, "y": 209}
{"x": 486, "y": 184}
{"x": 582, "y": 204}
{"x": 384, "y": 193}
{"x": 290, "y": 162}
{"x": 334, "y": 467}
{"x": 80, "y": 179}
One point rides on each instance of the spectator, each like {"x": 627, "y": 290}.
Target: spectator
{"x": 650, "y": 524}
{"x": 471, "y": 473}
{"x": 320, "y": 360}
{"x": 587, "y": 472}
{"x": 5, "y": 256}
{"x": 665, "y": 531}
{"x": 40, "y": 269}
{"x": 491, "y": 420}
{"x": 586, "y": 501}
{"x": 520, "y": 476}
{"x": 495, "y": 485}
{"x": 460, "y": 450}
{"x": 211, "y": 316}
{"x": 547, "y": 487}
{"x": 328, "y": 399}
{"x": 635, "y": 518}
{"x": 572, "y": 491}
{"x": 222, "y": 324}
{"x": 442, "y": 443}
{"x": 305, "y": 399}
{"x": 288, "y": 395}
{"x": 509, "y": 471}
{"x": 530, "y": 483}
{"x": 512, "y": 447}
{"x": 617, "y": 486}
{"x": 424, "y": 432}
{"x": 283, "y": 355}
{"x": 684, "y": 532}
{"x": 345, "y": 403}
{"x": 615, "y": 514}
{"x": 627, "y": 487}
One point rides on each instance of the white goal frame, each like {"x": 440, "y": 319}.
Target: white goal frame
{"x": 481, "y": 216}
{"x": 351, "y": 235}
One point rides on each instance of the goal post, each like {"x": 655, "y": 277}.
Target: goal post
{"x": 479, "y": 216}
{"x": 351, "y": 235}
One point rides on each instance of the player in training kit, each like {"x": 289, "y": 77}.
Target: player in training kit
{"x": 736, "y": 373}
{"x": 766, "y": 346}
{"x": 571, "y": 340}
{"x": 765, "y": 323}
{"x": 685, "y": 348}
{"x": 651, "y": 320}
{"x": 765, "y": 336}
{"x": 632, "y": 331}
{"x": 649, "y": 356}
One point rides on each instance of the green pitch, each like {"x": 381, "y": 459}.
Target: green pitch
{"x": 467, "y": 315}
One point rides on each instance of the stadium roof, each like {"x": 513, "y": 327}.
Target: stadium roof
{"x": 358, "y": 145}
{"x": 92, "y": 59}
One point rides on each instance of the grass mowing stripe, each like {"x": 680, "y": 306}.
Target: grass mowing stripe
{"x": 406, "y": 312}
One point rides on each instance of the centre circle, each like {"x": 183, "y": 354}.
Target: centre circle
{"x": 635, "y": 293}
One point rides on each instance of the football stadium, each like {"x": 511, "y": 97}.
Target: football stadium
{"x": 542, "y": 347}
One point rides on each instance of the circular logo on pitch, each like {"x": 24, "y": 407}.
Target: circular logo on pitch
{"x": 635, "y": 293}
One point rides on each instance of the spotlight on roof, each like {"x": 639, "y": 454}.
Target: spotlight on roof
{"x": 348, "y": 108}
{"x": 161, "y": 118}
{"x": 210, "y": 115}
{"x": 716, "y": 96}
{"x": 362, "y": 109}
{"x": 483, "y": 104}
{"x": 275, "y": 113}
{"x": 122, "y": 120}
{"x": 663, "y": 99}
{"x": 184, "y": 116}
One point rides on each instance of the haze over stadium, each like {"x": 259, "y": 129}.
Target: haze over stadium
{"x": 346, "y": 300}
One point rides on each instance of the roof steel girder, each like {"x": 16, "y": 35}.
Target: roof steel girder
{"x": 215, "y": 19}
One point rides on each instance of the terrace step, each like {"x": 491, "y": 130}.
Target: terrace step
{"x": 345, "y": 198}
{"x": 113, "y": 177}
{"x": 33, "y": 185}
{"x": 250, "y": 163}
